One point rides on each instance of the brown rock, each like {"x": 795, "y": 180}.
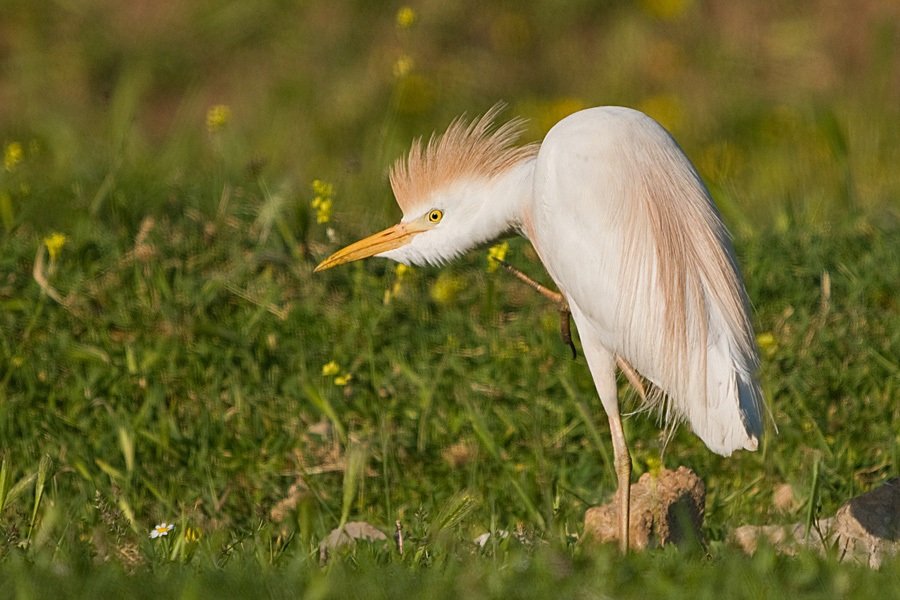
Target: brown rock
{"x": 667, "y": 509}
{"x": 787, "y": 538}
{"x": 783, "y": 498}
{"x": 866, "y": 529}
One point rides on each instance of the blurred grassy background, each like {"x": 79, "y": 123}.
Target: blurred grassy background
{"x": 169, "y": 356}
{"x": 791, "y": 112}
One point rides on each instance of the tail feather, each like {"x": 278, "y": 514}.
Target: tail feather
{"x": 731, "y": 419}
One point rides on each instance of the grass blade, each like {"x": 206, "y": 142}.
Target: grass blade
{"x": 43, "y": 469}
{"x": 811, "y": 506}
{"x": 354, "y": 471}
{"x": 322, "y": 403}
{"x": 457, "y": 508}
{"x": 4, "y": 482}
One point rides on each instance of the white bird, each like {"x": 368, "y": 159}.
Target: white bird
{"x": 628, "y": 232}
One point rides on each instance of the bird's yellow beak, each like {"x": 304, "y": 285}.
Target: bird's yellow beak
{"x": 392, "y": 237}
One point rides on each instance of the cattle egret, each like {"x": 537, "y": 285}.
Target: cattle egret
{"x": 627, "y": 230}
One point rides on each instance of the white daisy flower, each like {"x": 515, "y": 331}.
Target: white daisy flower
{"x": 161, "y": 530}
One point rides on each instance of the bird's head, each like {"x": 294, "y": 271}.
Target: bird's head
{"x": 424, "y": 236}
{"x": 448, "y": 191}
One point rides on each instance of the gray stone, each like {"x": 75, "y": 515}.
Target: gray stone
{"x": 866, "y": 530}
{"x": 868, "y": 526}
{"x": 786, "y": 538}
{"x": 350, "y": 533}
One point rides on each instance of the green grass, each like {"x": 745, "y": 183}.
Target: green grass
{"x": 167, "y": 363}
{"x": 542, "y": 573}
{"x": 183, "y": 382}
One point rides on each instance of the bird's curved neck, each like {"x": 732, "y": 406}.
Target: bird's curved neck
{"x": 507, "y": 201}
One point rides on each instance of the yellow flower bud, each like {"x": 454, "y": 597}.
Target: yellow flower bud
{"x": 330, "y": 369}
{"x": 54, "y": 243}
{"x": 217, "y": 117}
{"x": 12, "y": 156}
{"x": 496, "y": 253}
{"x": 322, "y": 202}
{"x": 405, "y": 17}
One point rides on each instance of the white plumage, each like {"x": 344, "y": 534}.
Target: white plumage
{"x": 629, "y": 234}
{"x": 648, "y": 268}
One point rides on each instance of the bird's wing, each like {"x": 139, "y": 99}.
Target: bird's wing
{"x": 627, "y": 229}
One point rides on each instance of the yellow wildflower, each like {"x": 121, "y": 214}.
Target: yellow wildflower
{"x": 217, "y": 117}
{"x": 12, "y": 156}
{"x": 496, "y": 253}
{"x": 322, "y": 202}
{"x": 767, "y": 343}
{"x": 330, "y": 369}
{"x": 192, "y": 534}
{"x": 405, "y": 17}
{"x": 401, "y": 270}
{"x": 322, "y": 207}
{"x": 321, "y": 188}
{"x": 54, "y": 243}
{"x": 654, "y": 466}
{"x": 447, "y": 288}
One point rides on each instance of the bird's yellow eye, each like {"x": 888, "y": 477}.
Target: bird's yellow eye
{"x": 435, "y": 216}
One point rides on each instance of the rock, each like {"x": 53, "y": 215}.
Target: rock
{"x": 482, "y": 540}
{"x": 667, "y": 509}
{"x": 783, "y": 498}
{"x": 875, "y": 513}
{"x": 865, "y": 529}
{"x": 787, "y": 538}
{"x": 349, "y": 534}
{"x": 868, "y": 526}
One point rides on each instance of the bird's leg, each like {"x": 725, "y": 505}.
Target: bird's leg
{"x": 554, "y": 297}
{"x": 622, "y": 460}
{"x": 632, "y": 376}
{"x": 565, "y": 329}
{"x": 621, "y": 456}
{"x": 565, "y": 326}
{"x": 602, "y": 363}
